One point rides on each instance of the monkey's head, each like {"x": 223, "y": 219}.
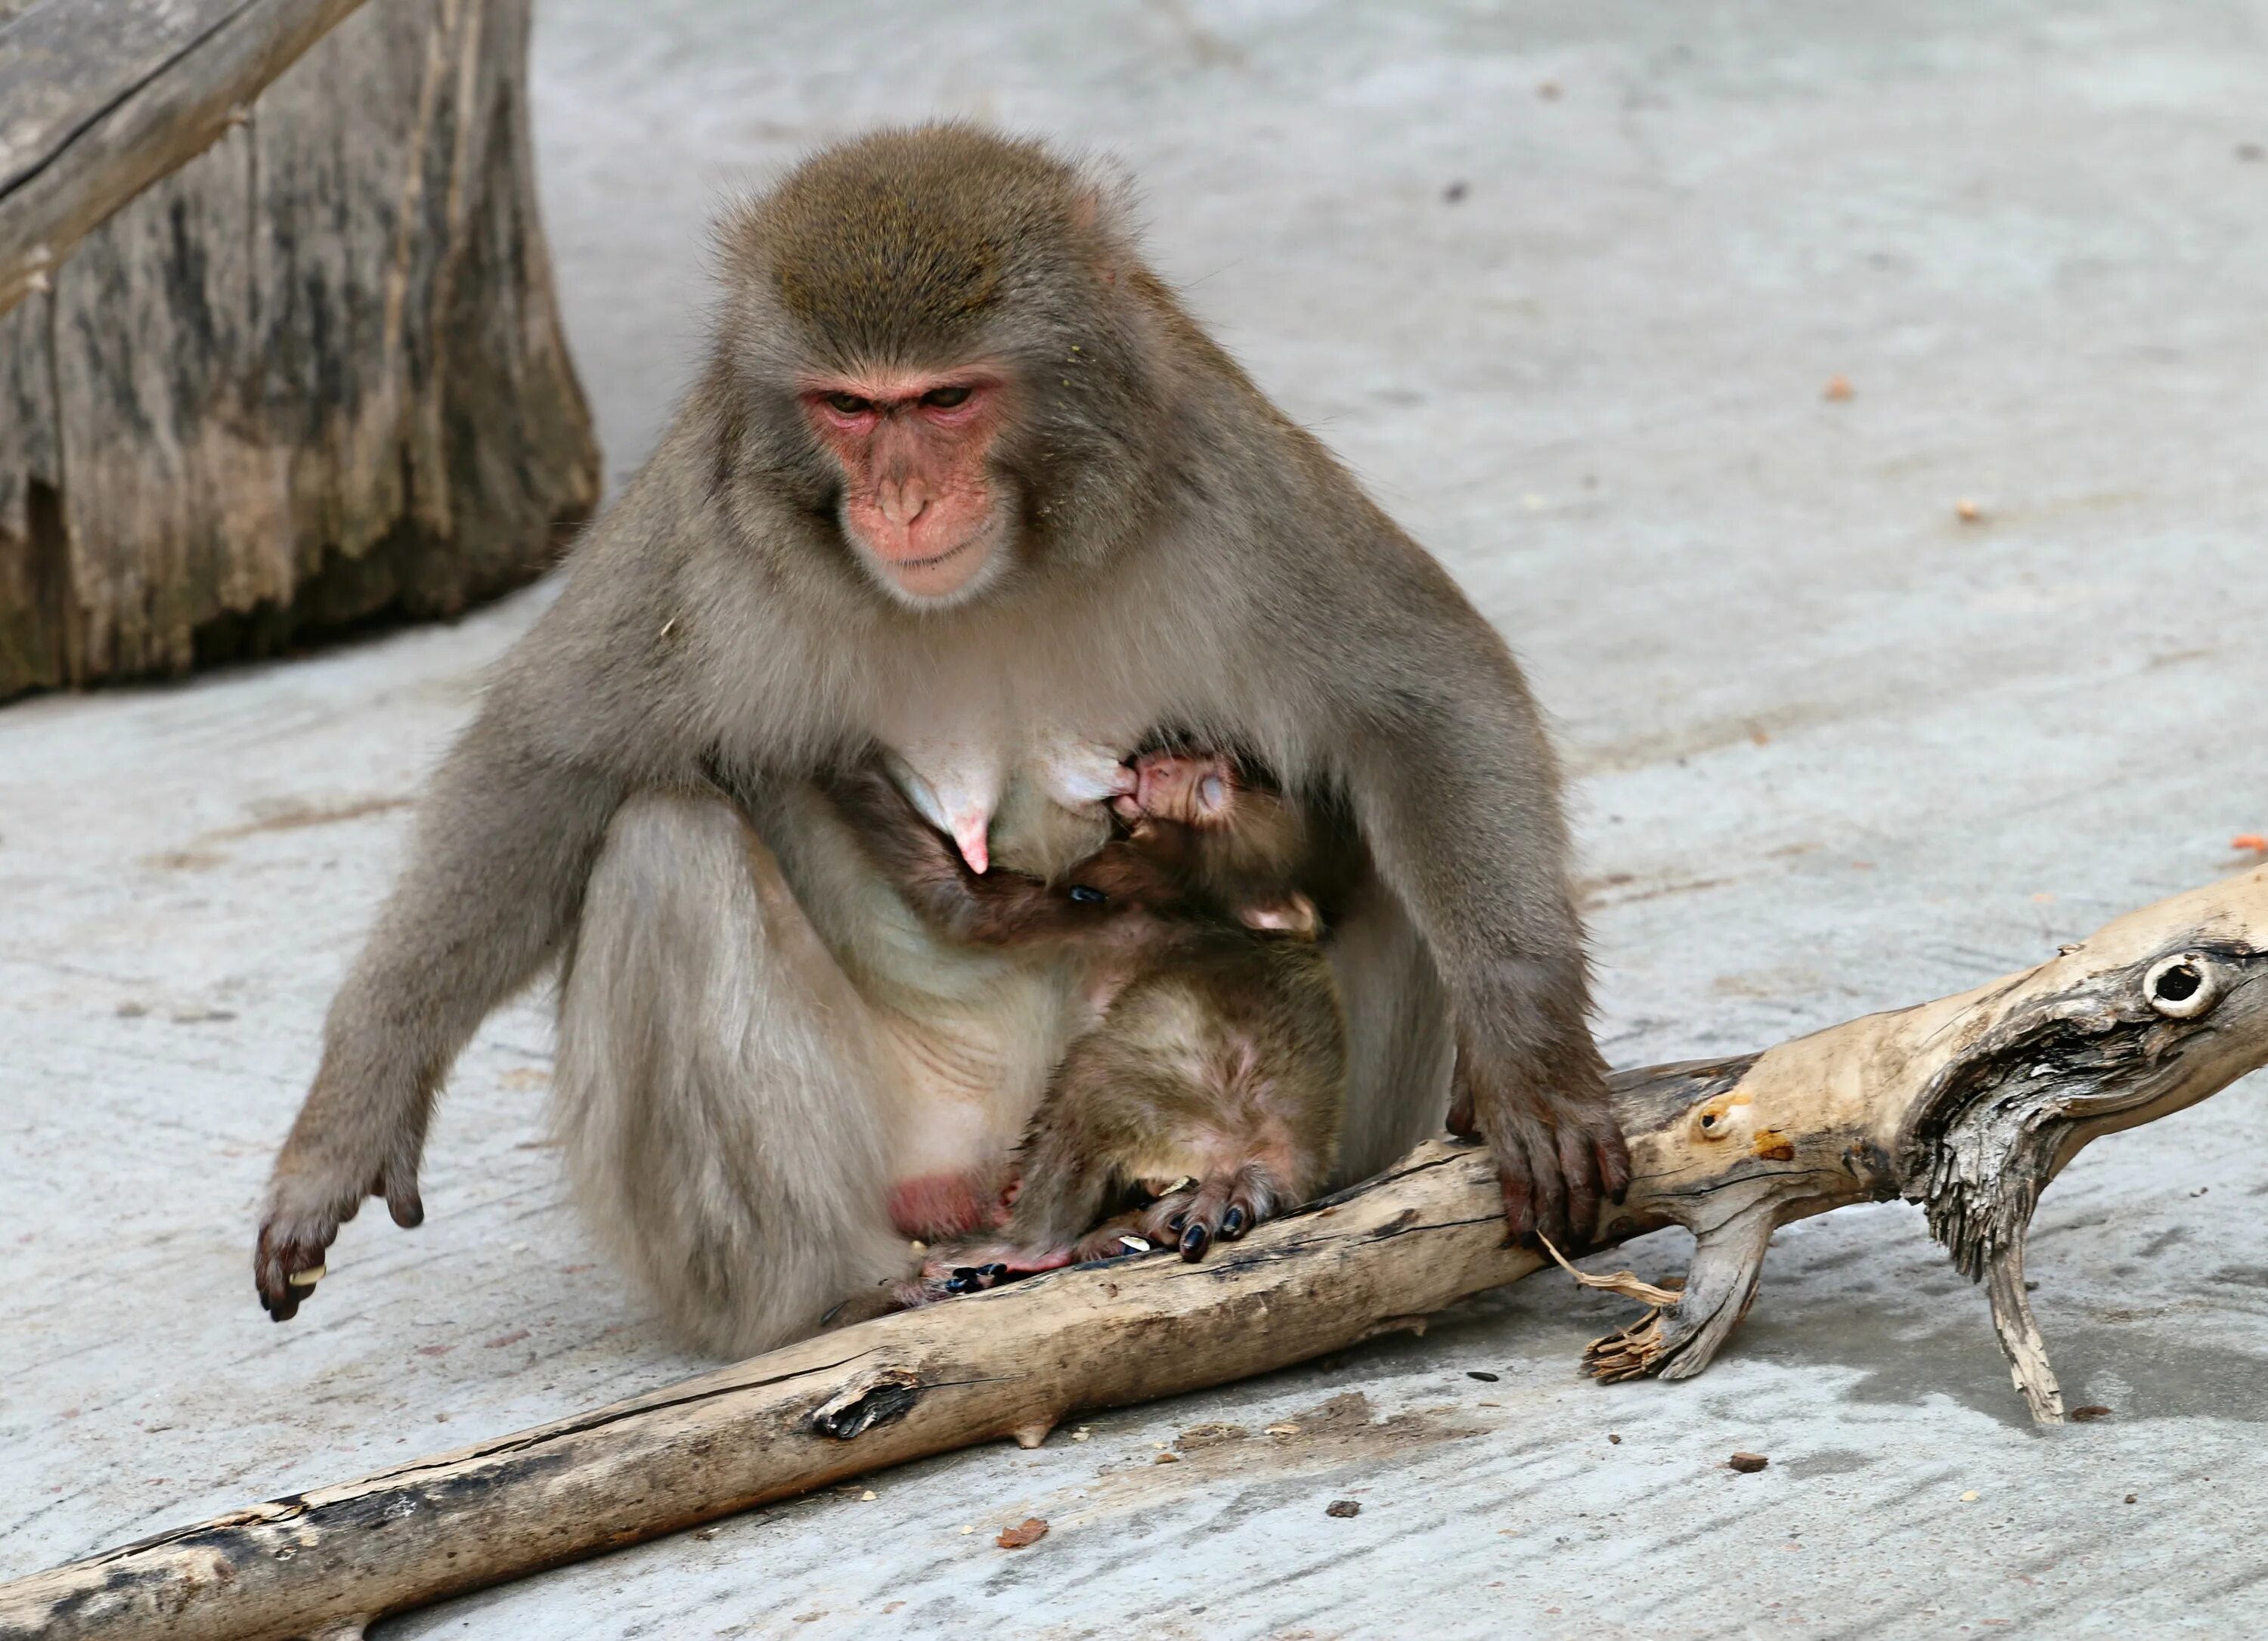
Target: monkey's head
{"x": 933, "y": 347}
{"x": 1140, "y": 888}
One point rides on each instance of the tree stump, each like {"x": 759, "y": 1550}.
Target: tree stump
{"x": 313, "y": 376}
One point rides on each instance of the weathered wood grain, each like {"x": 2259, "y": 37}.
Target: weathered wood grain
{"x": 98, "y": 99}
{"x": 1968, "y": 1104}
{"x": 314, "y": 375}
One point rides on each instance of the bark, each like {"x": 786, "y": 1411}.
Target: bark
{"x": 104, "y": 97}
{"x": 313, "y": 376}
{"x": 1968, "y": 1106}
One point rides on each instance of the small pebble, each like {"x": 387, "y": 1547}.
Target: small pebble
{"x": 2086, "y": 1413}
{"x": 1166, "y": 1458}
{"x": 1614, "y": 1439}
{"x": 1486, "y": 1379}
{"x": 1747, "y": 1463}
{"x": 1342, "y": 1508}
{"x": 2132, "y": 1500}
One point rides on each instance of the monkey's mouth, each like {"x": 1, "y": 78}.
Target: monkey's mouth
{"x": 934, "y": 560}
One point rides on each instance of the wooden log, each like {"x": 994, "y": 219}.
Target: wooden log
{"x": 98, "y": 99}
{"x": 1968, "y": 1106}
{"x": 313, "y": 376}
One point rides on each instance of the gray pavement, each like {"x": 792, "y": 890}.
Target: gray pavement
{"x": 1839, "y": 749}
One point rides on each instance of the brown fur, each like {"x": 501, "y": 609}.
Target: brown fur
{"x": 1218, "y": 1058}
{"x": 1180, "y": 554}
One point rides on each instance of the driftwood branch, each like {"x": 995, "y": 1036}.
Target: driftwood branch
{"x": 98, "y": 99}
{"x": 1968, "y": 1106}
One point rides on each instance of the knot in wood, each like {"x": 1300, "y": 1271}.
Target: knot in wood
{"x": 882, "y": 1398}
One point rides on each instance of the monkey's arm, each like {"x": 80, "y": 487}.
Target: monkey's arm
{"x": 505, "y": 838}
{"x": 1457, "y": 794}
{"x": 1000, "y": 908}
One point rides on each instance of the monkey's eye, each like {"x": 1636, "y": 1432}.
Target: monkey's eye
{"x": 849, "y": 404}
{"x": 1086, "y": 894}
{"x": 945, "y": 398}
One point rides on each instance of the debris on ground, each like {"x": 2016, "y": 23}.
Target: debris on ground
{"x": 1199, "y": 1436}
{"x": 1031, "y": 1530}
{"x": 1838, "y": 387}
{"x": 1747, "y": 1463}
{"x": 2094, "y": 1411}
{"x": 1342, "y": 1508}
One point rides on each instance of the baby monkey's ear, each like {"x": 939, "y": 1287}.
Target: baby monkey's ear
{"x": 1295, "y": 914}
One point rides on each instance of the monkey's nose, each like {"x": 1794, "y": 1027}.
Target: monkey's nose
{"x": 902, "y": 504}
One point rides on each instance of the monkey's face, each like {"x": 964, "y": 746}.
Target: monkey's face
{"x": 923, "y": 505}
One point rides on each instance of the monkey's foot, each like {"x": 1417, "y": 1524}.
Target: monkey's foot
{"x": 1191, "y": 1215}
{"x": 935, "y": 1207}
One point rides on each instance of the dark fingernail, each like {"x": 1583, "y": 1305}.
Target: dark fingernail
{"x": 1195, "y": 1241}
{"x": 993, "y": 1271}
{"x": 1231, "y": 1222}
{"x": 964, "y": 1280}
{"x": 1175, "y": 1224}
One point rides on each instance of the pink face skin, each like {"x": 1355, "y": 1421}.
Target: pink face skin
{"x": 920, "y": 500}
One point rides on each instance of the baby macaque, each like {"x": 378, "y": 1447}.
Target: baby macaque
{"x": 1205, "y": 1097}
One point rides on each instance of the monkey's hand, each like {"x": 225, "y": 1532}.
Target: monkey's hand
{"x": 310, "y": 1196}
{"x": 1558, "y": 1148}
{"x": 1077, "y": 773}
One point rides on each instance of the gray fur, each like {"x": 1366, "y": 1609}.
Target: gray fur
{"x": 1188, "y": 558}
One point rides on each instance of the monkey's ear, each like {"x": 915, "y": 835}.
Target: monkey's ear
{"x": 1295, "y": 914}
{"x": 1103, "y": 206}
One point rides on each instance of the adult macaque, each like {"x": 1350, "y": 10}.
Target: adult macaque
{"x": 1205, "y": 1097}
{"x": 960, "y": 470}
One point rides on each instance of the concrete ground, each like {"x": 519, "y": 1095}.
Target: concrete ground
{"x": 1565, "y": 282}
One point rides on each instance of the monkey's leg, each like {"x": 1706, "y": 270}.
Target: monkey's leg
{"x": 1400, "y": 1046}
{"x": 718, "y": 1097}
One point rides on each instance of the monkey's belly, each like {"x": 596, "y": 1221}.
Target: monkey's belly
{"x": 966, "y": 1075}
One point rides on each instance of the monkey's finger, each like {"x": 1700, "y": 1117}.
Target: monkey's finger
{"x": 274, "y": 1263}
{"x": 1518, "y": 1199}
{"x": 1203, "y": 1219}
{"x": 403, "y": 1202}
{"x": 1249, "y": 1199}
{"x": 1579, "y": 1169}
{"x": 1460, "y": 1121}
{"x": 1614, "y": 1165}
{"x": 1537, "y": 1145}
